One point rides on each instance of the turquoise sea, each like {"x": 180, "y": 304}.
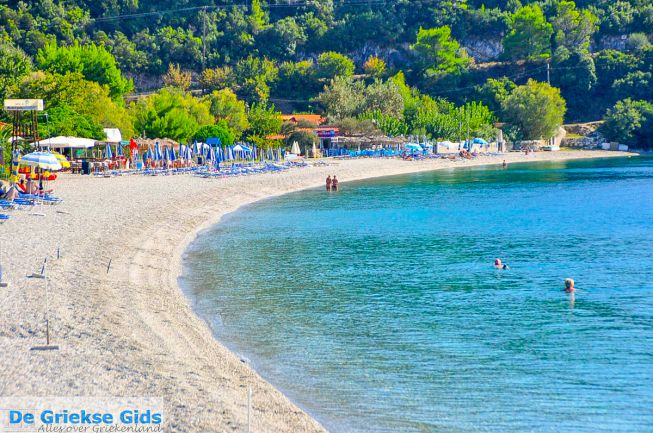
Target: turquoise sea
{"x": 377, "y": 309}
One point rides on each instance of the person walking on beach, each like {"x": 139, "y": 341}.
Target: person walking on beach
{"x": 334, "y": 184}
{"x": 328, "y": 183}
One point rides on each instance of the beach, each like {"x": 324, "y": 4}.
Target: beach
{"x": 123, "y": 325}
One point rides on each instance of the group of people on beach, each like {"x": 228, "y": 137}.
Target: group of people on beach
{"x": 332, "y": 183}
{"x": 569, "y": 282}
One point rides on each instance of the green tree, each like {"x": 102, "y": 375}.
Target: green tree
{"x": 263, "y": 120}
{"x": 93, "y": 62}
{"x": 438, "y": 53}
{"x": 384, "y": 97}
{"x": 218, "y": 78}
{"x": 529, "y": 35}
{"x": 14, "y": 65}
{"x": 332, "y": 64}
{"x": 612, "y": 65}
{"x": 636, "y": 85}
{"x": 573, "y": 27}
{"x": 342, "y": 98}
{"x": 297, "y": 79}
{"x": 76, "y": 106}
{"x": 257, "y": 18}
{"x": 282, "y": 39}
{"x": 170, "y": 113}
{"x": 225, "y": 106}
{"x": 629, "y": 122}
{"x": 536, "y": 109}
{"x": 494, "y": 91}
{"x": 253, "y": 79}
{"x": 220, "y": 130}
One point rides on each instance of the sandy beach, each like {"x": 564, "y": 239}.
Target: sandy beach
{"x": 130, "y": 331}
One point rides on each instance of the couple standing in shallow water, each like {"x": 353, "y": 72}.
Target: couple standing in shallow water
{"x": 332, "y": 183}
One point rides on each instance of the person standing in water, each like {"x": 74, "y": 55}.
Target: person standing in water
{"x": 334, "y": 183}
{"x": 328, "y": 183}
{"x": 569, "y": 285}
{"x": 505, "y": 164}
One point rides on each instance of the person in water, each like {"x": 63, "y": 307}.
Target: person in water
{"x": 334, "y": 183}
{"x": 328, "y": 183}
{"x": 569, "y": 285}
{"x": 500, "y": 265}
{"x": 505, "y": 164}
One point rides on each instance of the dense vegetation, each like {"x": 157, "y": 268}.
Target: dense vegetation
{"x": 434, "y": 67}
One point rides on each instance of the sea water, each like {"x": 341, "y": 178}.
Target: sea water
{"x": 378, "y": 309}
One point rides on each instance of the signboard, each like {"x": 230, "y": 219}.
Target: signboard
{"x": 24, "y": 104}
{"x": 326, "y": 133}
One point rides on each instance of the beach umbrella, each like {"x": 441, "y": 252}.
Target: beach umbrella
{"x": 295, "y": 148}
{"x": 62, "y": 159}
{"x": 230, "y": 153}
{"x": 478, "y": 140}
{"x": 314, "y": 150}
{"x": 173, "y": 154}
{"x": 43, "y": 160}
{"x": 108, "y": 154}
{"x": 414, "y": 147}
{"x": 158, "y": 156}
{"x": 119, "y": 151}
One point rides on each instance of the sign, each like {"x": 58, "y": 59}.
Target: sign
{"x": 326, "y": 133}
{"x": 24, "y": 104}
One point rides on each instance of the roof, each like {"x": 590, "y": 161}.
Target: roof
{"x": 275, "y": 137}
{"x": 313, "y": 118}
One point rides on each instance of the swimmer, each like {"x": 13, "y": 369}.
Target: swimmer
{"x": 499, "y": 265}
{"x": 569, "y": 285}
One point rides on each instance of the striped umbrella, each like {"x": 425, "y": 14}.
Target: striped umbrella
{"x": 44, "y": 160}
{"x": 119, "y": 151}
{"x": 108, "y": 154}
{"x": 62, "y": 159}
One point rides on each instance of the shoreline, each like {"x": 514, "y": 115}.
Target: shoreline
{"x": 133, "y": 330}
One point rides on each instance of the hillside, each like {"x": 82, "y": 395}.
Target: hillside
{"x": 596, "y": 52}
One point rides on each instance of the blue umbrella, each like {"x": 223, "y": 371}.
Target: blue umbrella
{"x": 173, "y": 154}
{"x": 119, "y": 149}
{"x": 108, "y": 154}
{"x": 479, "y": 141}
{"x": 157, "y": 152}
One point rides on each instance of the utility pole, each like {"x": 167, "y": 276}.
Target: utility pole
{"x": 548, "y": 72}
{"x": 204, "y": 38}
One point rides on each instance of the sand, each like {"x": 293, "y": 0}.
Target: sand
{"x": 130, "y": 331}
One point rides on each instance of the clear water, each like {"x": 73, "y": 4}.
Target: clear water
{"x": 378, "y": 309}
